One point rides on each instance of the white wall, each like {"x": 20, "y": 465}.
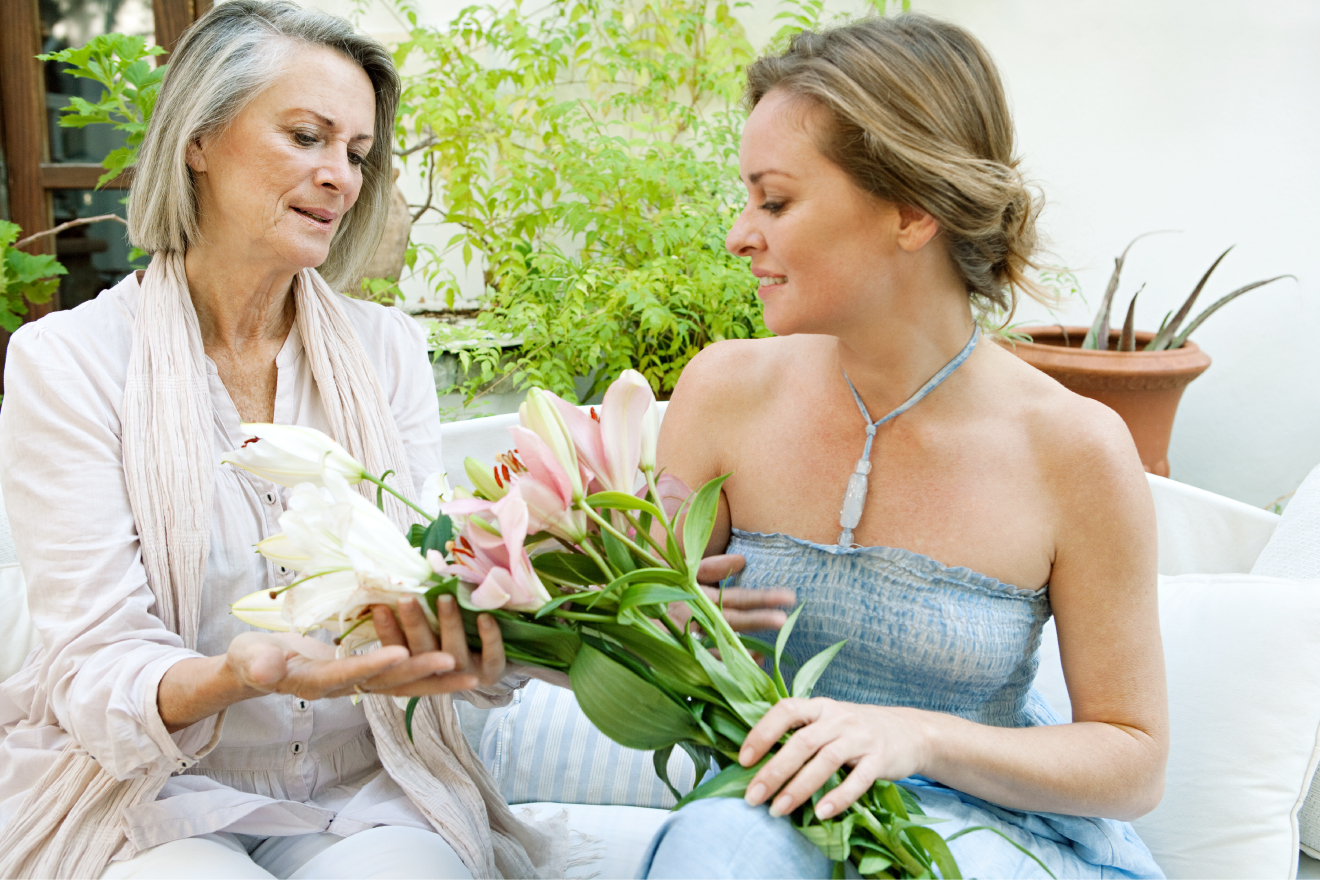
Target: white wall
{"x": 1203, "y": 116}
{"x": 1197, "y": 115}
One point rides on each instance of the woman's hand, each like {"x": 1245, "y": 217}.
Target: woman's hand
{"x": 746, "y": 610}
{"x": 440, "y": 667}
{"x": 877, "y": 742}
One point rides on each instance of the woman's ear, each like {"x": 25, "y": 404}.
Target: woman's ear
{"x": 196, "y": 158}
{"x": 915, "y": 228}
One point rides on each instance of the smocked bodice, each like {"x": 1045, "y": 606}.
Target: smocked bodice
{"x": 919, "y": 633}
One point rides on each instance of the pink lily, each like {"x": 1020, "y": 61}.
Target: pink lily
{"x": 624, "y": 437}
{"x": 497, "y": 563}
{"x": 546, "y": 488}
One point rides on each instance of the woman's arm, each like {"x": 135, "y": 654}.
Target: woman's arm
{"x": 1110, "y": 761}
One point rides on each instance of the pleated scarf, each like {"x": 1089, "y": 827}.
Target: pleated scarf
{"x": 71, "y": 823}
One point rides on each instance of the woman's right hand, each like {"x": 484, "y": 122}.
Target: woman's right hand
{"x": 746, "y": 610}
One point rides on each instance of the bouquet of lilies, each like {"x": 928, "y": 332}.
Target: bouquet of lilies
{"x": 580, "y": 569}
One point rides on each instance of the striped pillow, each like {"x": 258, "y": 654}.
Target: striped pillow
{"x": 541, "y": 749}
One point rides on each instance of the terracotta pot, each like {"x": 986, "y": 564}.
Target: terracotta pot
{"x": 1143, "y": 387}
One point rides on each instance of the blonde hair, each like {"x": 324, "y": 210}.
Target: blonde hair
{"x": 225, "y": 59}
{"x": 917, "y": 116}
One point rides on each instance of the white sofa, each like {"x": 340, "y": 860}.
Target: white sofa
{"x": 1199, "y": 533}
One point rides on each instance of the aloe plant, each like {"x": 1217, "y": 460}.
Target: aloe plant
{"x": 1168, "y": 336}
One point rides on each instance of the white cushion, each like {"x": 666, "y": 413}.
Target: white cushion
{"x": 541, "y": 747}
{"x": 1293, "y": 551}
{"x": 1243, "y": 660}
{"x": 1204, "y": 533}
{"x": 603, "y": 841}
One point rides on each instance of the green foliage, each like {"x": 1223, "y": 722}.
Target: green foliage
{"x": 33, "y": 277}
{"x": 122, "y": 65}
{"x": 587, "y": 151}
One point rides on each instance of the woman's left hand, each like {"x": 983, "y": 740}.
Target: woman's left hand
{"x": 467, "y": 670}
{"x": 877, "y": 742}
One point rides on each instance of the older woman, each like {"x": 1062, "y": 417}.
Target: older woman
{"x": 931, "y": 498}
{"x": 151, "y": 727}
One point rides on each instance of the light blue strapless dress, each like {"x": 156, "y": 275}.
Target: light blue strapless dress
{"x": 919, "y": 634}
{"x": 925, "y": 635}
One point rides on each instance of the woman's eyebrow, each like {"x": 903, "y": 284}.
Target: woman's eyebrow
{"x": 331, "y": 124}
{"x": 755, "y": 177}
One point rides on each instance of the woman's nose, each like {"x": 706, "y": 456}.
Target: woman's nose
{"x": 742, "y": 239}
{"x": 336, "y": 173}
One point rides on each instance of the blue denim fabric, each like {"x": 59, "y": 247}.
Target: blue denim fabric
{"x": 919, "y": 634}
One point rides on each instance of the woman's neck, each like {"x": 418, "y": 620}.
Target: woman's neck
{"x": 889, "y": 355}
{"x": 238, "y": 304}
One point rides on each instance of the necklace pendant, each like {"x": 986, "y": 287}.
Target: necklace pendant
{"x": 854, "y": 497}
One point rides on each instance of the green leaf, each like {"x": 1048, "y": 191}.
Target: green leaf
{"x": 408, "y": 716}
{"x": 780, "y": 642}
{"x": 666, "y": 659}
{"x": 415, "y": 534}
{"x": 660, "y": 760}
{"x": 811, "y": 671}
{"x": 651, "y": 594}
{"x": 617, "y": 553}
{"x": 571, "y": 568}
{"x": 542, "y": 640}
{"x": 621, "y": 501}
{"x": 627, "y": 708}
{"x": 700, "y": 521}
{"x": 437, "y": 535}
{"x": 871, "y": 865}
{"x": 939, "y": 850}
{"x": 732, "y": 781}
{"x": 746, "y": 706}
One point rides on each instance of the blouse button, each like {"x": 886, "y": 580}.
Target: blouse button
{"x": 183, "y": 765}
{"x": 283, "y": 570}
{"x": 296, "y": 748}
{"x": 301, "y": 704}
{"x": 270, "y": 497}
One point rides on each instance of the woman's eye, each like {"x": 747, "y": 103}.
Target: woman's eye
{"x": 772, "y": 207}
{"x": 356, "y": 158}
{"x": 304, "y": 139}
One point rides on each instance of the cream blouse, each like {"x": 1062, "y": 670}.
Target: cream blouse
{"x": 281, "y": 765}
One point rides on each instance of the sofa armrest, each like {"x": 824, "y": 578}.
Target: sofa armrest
{"x": 1204, "y": 533}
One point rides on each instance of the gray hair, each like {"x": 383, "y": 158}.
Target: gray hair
{"x": 226, "y": 58}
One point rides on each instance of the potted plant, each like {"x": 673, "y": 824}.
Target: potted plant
{"x": 1140, "y": 375}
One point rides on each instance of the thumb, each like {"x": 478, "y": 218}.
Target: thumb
{"x": 259, "y": 661}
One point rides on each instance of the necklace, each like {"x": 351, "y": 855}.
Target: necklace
{"x": 854, "y": 497}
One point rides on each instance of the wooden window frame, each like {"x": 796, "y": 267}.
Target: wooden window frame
{"x": 32, "y": 176}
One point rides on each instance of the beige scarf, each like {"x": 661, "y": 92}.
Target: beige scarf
{"x": 71, "y": 823}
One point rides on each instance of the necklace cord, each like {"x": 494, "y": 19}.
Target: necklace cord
{"x": 854, "y": 497}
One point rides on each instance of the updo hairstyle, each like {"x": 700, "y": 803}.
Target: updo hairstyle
{"x": 917, "y": 116}
{"x": 224, "y": 60}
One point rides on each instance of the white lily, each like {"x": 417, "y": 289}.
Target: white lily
{"x": 291, "y": 454}
{"x": 260, "y": 610}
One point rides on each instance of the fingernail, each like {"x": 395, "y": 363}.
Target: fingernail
{"x": 824, "y": 809}
{"x": 745, "y": 756}
{"x": 755, "y": 794}
{"x": 781, "y": 806}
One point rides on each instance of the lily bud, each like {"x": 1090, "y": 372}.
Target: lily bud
{"x": 483, "y": 480}
{"x": 291, "y": 454}
{"x": 539, "y": 415}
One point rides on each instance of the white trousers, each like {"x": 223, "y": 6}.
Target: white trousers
{"x": 385, "y": 852}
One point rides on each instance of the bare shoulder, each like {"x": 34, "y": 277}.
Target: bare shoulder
{"x": 733, "y": 377}
{"x": 723, "y": 393}
{"x": 1084, "y": 450}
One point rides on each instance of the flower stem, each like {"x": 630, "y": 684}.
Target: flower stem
{"x": 624, "y": 539}
{"x": 380, "y": 483}
{"x": 632, "y": 520}
{"x": 586, "y": 548}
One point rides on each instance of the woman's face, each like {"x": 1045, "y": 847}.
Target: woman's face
{"x": 820, "y": 246}
{"x": 274, "y": 186}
